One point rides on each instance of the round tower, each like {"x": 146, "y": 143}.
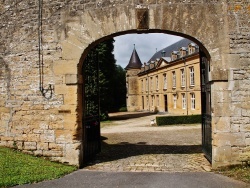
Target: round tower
{"x": 132, "y": 70}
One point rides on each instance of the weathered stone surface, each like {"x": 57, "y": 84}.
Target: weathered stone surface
{"x": 52, "y": 153}
{"x": 48, "y": 136}
{"x": 30, "y": 146}
{"x": 72, "y": 152}
{"x": 219, "y": 74}
{"x": 42, "y": 146}
{"x": 71, "y": 79}
{"x": 244, "y": 157}
{"x": 62, "y": 67}
{"x": 58, "y": 147}
{"x": 19, "y": 145}
{"x": 33, "y": 106}
{"x": 222, "y": 154}
{"x": 38, "y": 153}
{"x": 229, "y": 139}
{"x": 222, "y": 124}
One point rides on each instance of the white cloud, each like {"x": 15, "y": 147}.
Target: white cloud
{"x": 145, "y": 45}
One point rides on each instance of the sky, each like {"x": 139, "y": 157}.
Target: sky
{"x": 145, "y": 45}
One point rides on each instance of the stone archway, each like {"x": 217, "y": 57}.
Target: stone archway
{"x": 71, "y": 28}
{"x": 90, "y": 147}
{"x": 204, "y": 38}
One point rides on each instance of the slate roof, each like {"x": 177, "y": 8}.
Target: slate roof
{"x": 168, "y": 59}
{"x": 168, "y": 50}
{"x": 134, "y": 62}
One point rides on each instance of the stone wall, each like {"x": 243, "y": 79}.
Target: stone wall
{"x": 231, "y": 99}
{"x": 132, "y": 90}
{"x": 48, "y": 123}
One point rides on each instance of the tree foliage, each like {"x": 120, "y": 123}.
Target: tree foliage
{"x": 112, "y": 81}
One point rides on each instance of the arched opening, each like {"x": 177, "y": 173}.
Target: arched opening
{"x": 91, "y": 121}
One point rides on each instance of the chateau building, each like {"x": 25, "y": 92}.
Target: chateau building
{"x": 168, "y": 82}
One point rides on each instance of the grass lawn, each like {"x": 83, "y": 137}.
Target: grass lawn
{"x": 17, "y": 168}
{"x": 238, "y": 172}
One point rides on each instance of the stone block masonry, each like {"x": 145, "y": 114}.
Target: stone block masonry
{"x": 49, "y": 123}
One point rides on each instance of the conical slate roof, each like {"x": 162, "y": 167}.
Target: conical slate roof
{"x": 134, "y": 62}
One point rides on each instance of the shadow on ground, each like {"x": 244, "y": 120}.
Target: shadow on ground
{"x": 111, "y": 152}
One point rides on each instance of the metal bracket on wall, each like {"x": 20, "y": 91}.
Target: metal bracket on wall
{"x": 46, "y": 92}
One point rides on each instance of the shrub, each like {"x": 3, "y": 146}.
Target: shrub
{"x": 123, "y": 109}
{"x": 104, "y": 116}
{"x": 172, "y": 120}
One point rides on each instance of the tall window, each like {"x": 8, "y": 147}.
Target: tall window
{"x": 192, "y": 101}
{"x": 146, "y": 84}
{"x": 151, "y": 84}
{"x": 142, "y": 86}
{"x": 174, "y": 79}
{"x": 175, "y": 100}
{"x": 152, "y": 100}
{"x": 183, "y": 78}
{"x": 157, "y": 100}
{"x": 165, "y": 81}
{"x": 142, "y": 102}
{"x": 183, "y": 101}
{"x": 157, "y": 83}
{"x": 191, "y": 76}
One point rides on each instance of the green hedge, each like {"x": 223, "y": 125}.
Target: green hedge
{"x": 123, "y": 109}
{"x": 172, "y": 120}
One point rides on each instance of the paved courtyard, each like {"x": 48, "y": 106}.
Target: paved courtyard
{"x": 130, "y": 143}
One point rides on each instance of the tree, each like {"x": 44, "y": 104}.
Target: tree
{"x": 120, "y": 85}
{"x": 112, "y": 88}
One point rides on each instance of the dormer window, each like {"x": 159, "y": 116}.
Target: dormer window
{"x": 152, "y": 64}
{"x": 183, "y": 51}
{"x": 174, "y": 55}
{"x": 191, "y": 48}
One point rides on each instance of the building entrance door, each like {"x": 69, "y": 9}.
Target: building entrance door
{"x": 166, "y": 103}
{"x": 142, "y": 103}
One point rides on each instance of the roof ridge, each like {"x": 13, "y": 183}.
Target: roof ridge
{"x": 173, "y": 47}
